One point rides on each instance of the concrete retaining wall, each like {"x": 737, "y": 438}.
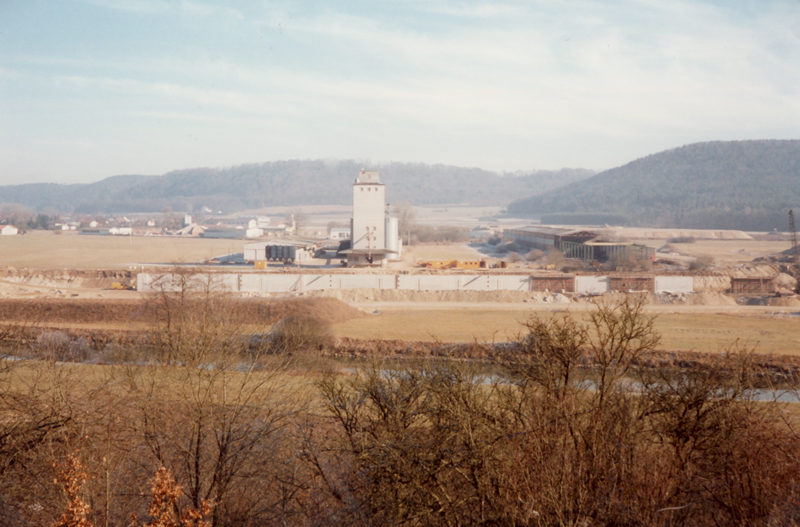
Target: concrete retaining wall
{"x": 674, "y": 284}
{"x": 286, "y": 283}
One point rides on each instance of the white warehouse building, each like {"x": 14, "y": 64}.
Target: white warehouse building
{"x": 374, "y": 234}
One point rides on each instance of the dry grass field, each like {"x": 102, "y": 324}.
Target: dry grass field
{"x": 70, "y": 250}
{"x": 691, "y": 330}
{"x": 46, "y": 250}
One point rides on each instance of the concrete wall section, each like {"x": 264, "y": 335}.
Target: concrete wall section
{"x": 277, "y": 283}
{"x": 144, "y": 282}
{"x": 284, "y": 283}
{"x": 511, "y": 282}
{"x": 424, "y": 282}
{"x": 674, "y": 284}
{"x": 317, "y": 282}
{"x": 176, "y": 282}
{"x": 478, "y": 282}
{"x": 362, "y": 281}
{"x": 591, "y": 284}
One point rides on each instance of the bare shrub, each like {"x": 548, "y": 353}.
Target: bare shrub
{"x": 420, "y": 448}
{"x": 328, "y": 310}
{"x": 701, "y": 263}
{"x": 194, "y": 320}
{"x": 514, "y": 257}
{"x": 630, "y": 263}
{"x": 534, "y": 255}
{"x": 443, "y": 234}
{"x": 572, "y": 425}
{"x": 570, "y": 265}
{"x": 42, "y": 404}
{"x": 298, "y": 334}
{"x": 681, "y": 239}
{"x": 209, "y": 412}
{"x": 555, "y": 257}
{"x": 732, "y": 458}
{"x": 57, "y": 345}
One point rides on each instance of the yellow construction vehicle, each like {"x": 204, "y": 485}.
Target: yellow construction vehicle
{"x": 455, "y": 264}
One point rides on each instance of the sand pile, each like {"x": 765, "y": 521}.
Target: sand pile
{"x": 717, "y": 284}
{"x": 752, "y": 271}
{"x": 329, "y": 310}
{"x": 65, "y": 278}
{"x": 657, "y": 234}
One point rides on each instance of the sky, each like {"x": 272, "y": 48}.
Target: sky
{"x": 95, "y": 88}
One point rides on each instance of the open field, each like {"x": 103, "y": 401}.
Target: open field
{"x": 687, "y": 329}
{"x": 436, "y": 251}
{"x": 45, "y": 250}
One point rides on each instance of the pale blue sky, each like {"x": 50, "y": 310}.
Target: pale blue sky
{"x": 94, "y": 88}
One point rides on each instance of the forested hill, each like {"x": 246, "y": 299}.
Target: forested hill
{"x": 287, "y": 183}
{"x": 748, "y": 185}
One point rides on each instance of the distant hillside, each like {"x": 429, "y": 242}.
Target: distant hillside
{"x": 287, "y": 183}
{"x": 64, "y": 197}
{"x": 747, "y": 185}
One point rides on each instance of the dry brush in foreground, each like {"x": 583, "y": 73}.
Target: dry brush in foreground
{"x": 214, "y": 429}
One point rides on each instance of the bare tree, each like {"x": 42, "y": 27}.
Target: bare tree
{"x": 406, "y": 217}
{"x": 212, "y": 409}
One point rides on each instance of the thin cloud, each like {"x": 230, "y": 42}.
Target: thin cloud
{"x": 134, "y": 6}
{"x": 505, "y": 85}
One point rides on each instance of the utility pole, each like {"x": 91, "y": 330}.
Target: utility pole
{"x": 794, "y": 237}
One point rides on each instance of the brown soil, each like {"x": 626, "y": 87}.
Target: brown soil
{"x": 328, "y": 310}
{"x": 789, "y": 301}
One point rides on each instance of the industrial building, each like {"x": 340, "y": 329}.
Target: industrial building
{"x": 340, "y": 233}
{"x": 374, "y": 233}
{"x": 289, "y": 251}
{"x": 580, "y": 244}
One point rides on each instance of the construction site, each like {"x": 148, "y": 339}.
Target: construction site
{"x": 506, "y": 271}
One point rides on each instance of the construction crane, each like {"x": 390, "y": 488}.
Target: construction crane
{"x": 793, "y": 232}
